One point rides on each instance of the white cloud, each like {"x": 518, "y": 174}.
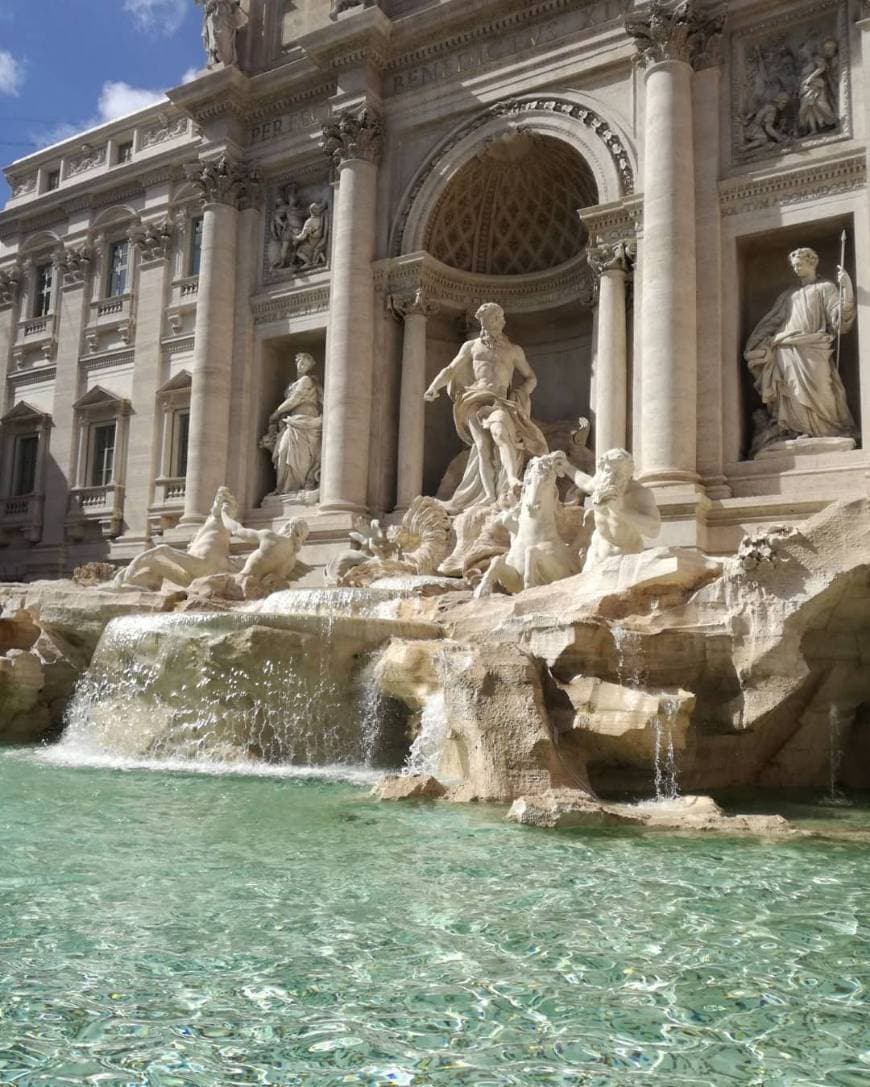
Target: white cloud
{"x": 117, "y": 99}
{"x": 11, "y": 73}
{"x": 162, "y": 16}
{"x": 191, "y": 74}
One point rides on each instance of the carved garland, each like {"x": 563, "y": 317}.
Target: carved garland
{"x": 511, "y": 107}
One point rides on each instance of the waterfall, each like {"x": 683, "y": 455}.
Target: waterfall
{"x": 630, "y": 673}
{"x": 665, "y": 758}
{"x": 290, "y": 687}
{"x": 427, "y": 748}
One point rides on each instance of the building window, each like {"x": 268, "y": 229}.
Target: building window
{"x": 125, "y": 152}
{"x": 24, "y": 461}
{"x": 44, "y": 279}
{"x": 103, "y": 455}
{"x": 179, "y": 452}
{"x": 195, "y": 256}
{"x": 52, "y": 180}
{"x": 119, "y": 259}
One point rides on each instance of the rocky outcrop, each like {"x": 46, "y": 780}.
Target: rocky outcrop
{"x": 409, "y": 787}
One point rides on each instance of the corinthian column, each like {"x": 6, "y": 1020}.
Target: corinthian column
{"x": 671, "y": 39}
{"x": 354, "y": 141}
{"x": 612, "y": 262}
{"x": 415, "y": 311}
{"x": 224, "y": 185}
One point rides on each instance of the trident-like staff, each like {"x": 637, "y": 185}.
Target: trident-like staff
{"x": 840, "y": 295}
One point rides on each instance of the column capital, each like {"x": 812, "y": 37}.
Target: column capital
{"x": 154, "y": 239}
{"x": 224, "y": 181}
{"x": 418, "y": 304}
{"x": 353, "y": 134}
{"x": 612, "y": 256}
{"x": 74, "y": 263}
{"x": 675, "y": 31}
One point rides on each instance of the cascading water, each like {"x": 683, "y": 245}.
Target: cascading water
{"x": 665, "y": 757}
{"x": 428, "y": 746}
{"x": 630, "y": 673}
{"x": 281, "y": 685}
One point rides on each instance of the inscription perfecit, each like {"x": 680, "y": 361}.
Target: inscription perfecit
{"x": 309, "y": 117}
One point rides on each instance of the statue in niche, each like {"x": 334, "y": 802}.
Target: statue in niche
{"x": 790, "y": 354}
{"x": 295, "y": 432}
{"x": 492, "y": 416}
{"x": 222, "y": 20}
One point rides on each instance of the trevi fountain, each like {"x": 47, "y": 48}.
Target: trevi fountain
{"x": 509, "y": 782}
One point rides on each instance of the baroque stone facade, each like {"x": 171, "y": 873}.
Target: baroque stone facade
{"x": 625, "y": 180}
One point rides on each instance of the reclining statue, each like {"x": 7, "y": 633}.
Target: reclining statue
{"x": 208, "y": 553}
{"x": 269, "y": 567}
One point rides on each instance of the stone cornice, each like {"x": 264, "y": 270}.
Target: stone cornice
{"x": 285, "y": 101}
{"x": 796, "y": 186}
{"x": 32, "y": 375}
{"x": 572, "y": 282}
{"x": 351, "y": 43}
{"x": 416, "y": 38}
{"x": 615, "y": 222}
{"x": 292, "y": 304}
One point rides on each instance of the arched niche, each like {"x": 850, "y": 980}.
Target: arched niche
{"x": 564, "y": 117}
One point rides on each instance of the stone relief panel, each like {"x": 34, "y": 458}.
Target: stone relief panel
{"x": 297, "y": 230}
{"x": 88, "y": 159}
{"x": 790, "y": 83}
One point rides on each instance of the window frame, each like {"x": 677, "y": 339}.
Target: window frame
{"x": 113, "y": 246}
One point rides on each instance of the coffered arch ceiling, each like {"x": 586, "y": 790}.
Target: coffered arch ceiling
{"x": 512, "y": 209}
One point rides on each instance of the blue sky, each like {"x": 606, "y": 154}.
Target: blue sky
{"x": 68, "y": 64}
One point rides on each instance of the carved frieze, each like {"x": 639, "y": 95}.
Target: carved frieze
{"x": 793, "y": 186}
{"x": 790, "y": 82}
{"x": 297, "y": 231}
{"x": 354, "y": 134}
{"x": 293, "y": 304}
{"x": 162, "y": 131}
{"x": 24, "y": 186}
{"x": 89, "y": 158}
{"x": 674, "y": 30}
{"x": 224, "y": 181}
{"x": 10, "y": 285}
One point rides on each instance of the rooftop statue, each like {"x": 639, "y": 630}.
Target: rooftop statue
{"x": 491, "y": 415}
{"x": 222, "y": 20}
{"x": 791, "y": 355}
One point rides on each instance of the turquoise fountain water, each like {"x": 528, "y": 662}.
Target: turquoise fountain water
{"x": 181, "y": 930}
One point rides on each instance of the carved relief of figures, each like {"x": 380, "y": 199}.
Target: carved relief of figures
{"x": 297, "y": 239}
{"x": 10, "y": 285}
{"x": 222, "y": 20}
{"x": 295, "y": 432}
{"x": 789, "y": 88}
{"x": 791, "y": 355}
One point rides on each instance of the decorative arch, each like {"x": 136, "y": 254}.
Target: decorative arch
{"x": 563, "y": 116}
{"x": 41, "y": 240}
{"x": 118, "y": 213}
